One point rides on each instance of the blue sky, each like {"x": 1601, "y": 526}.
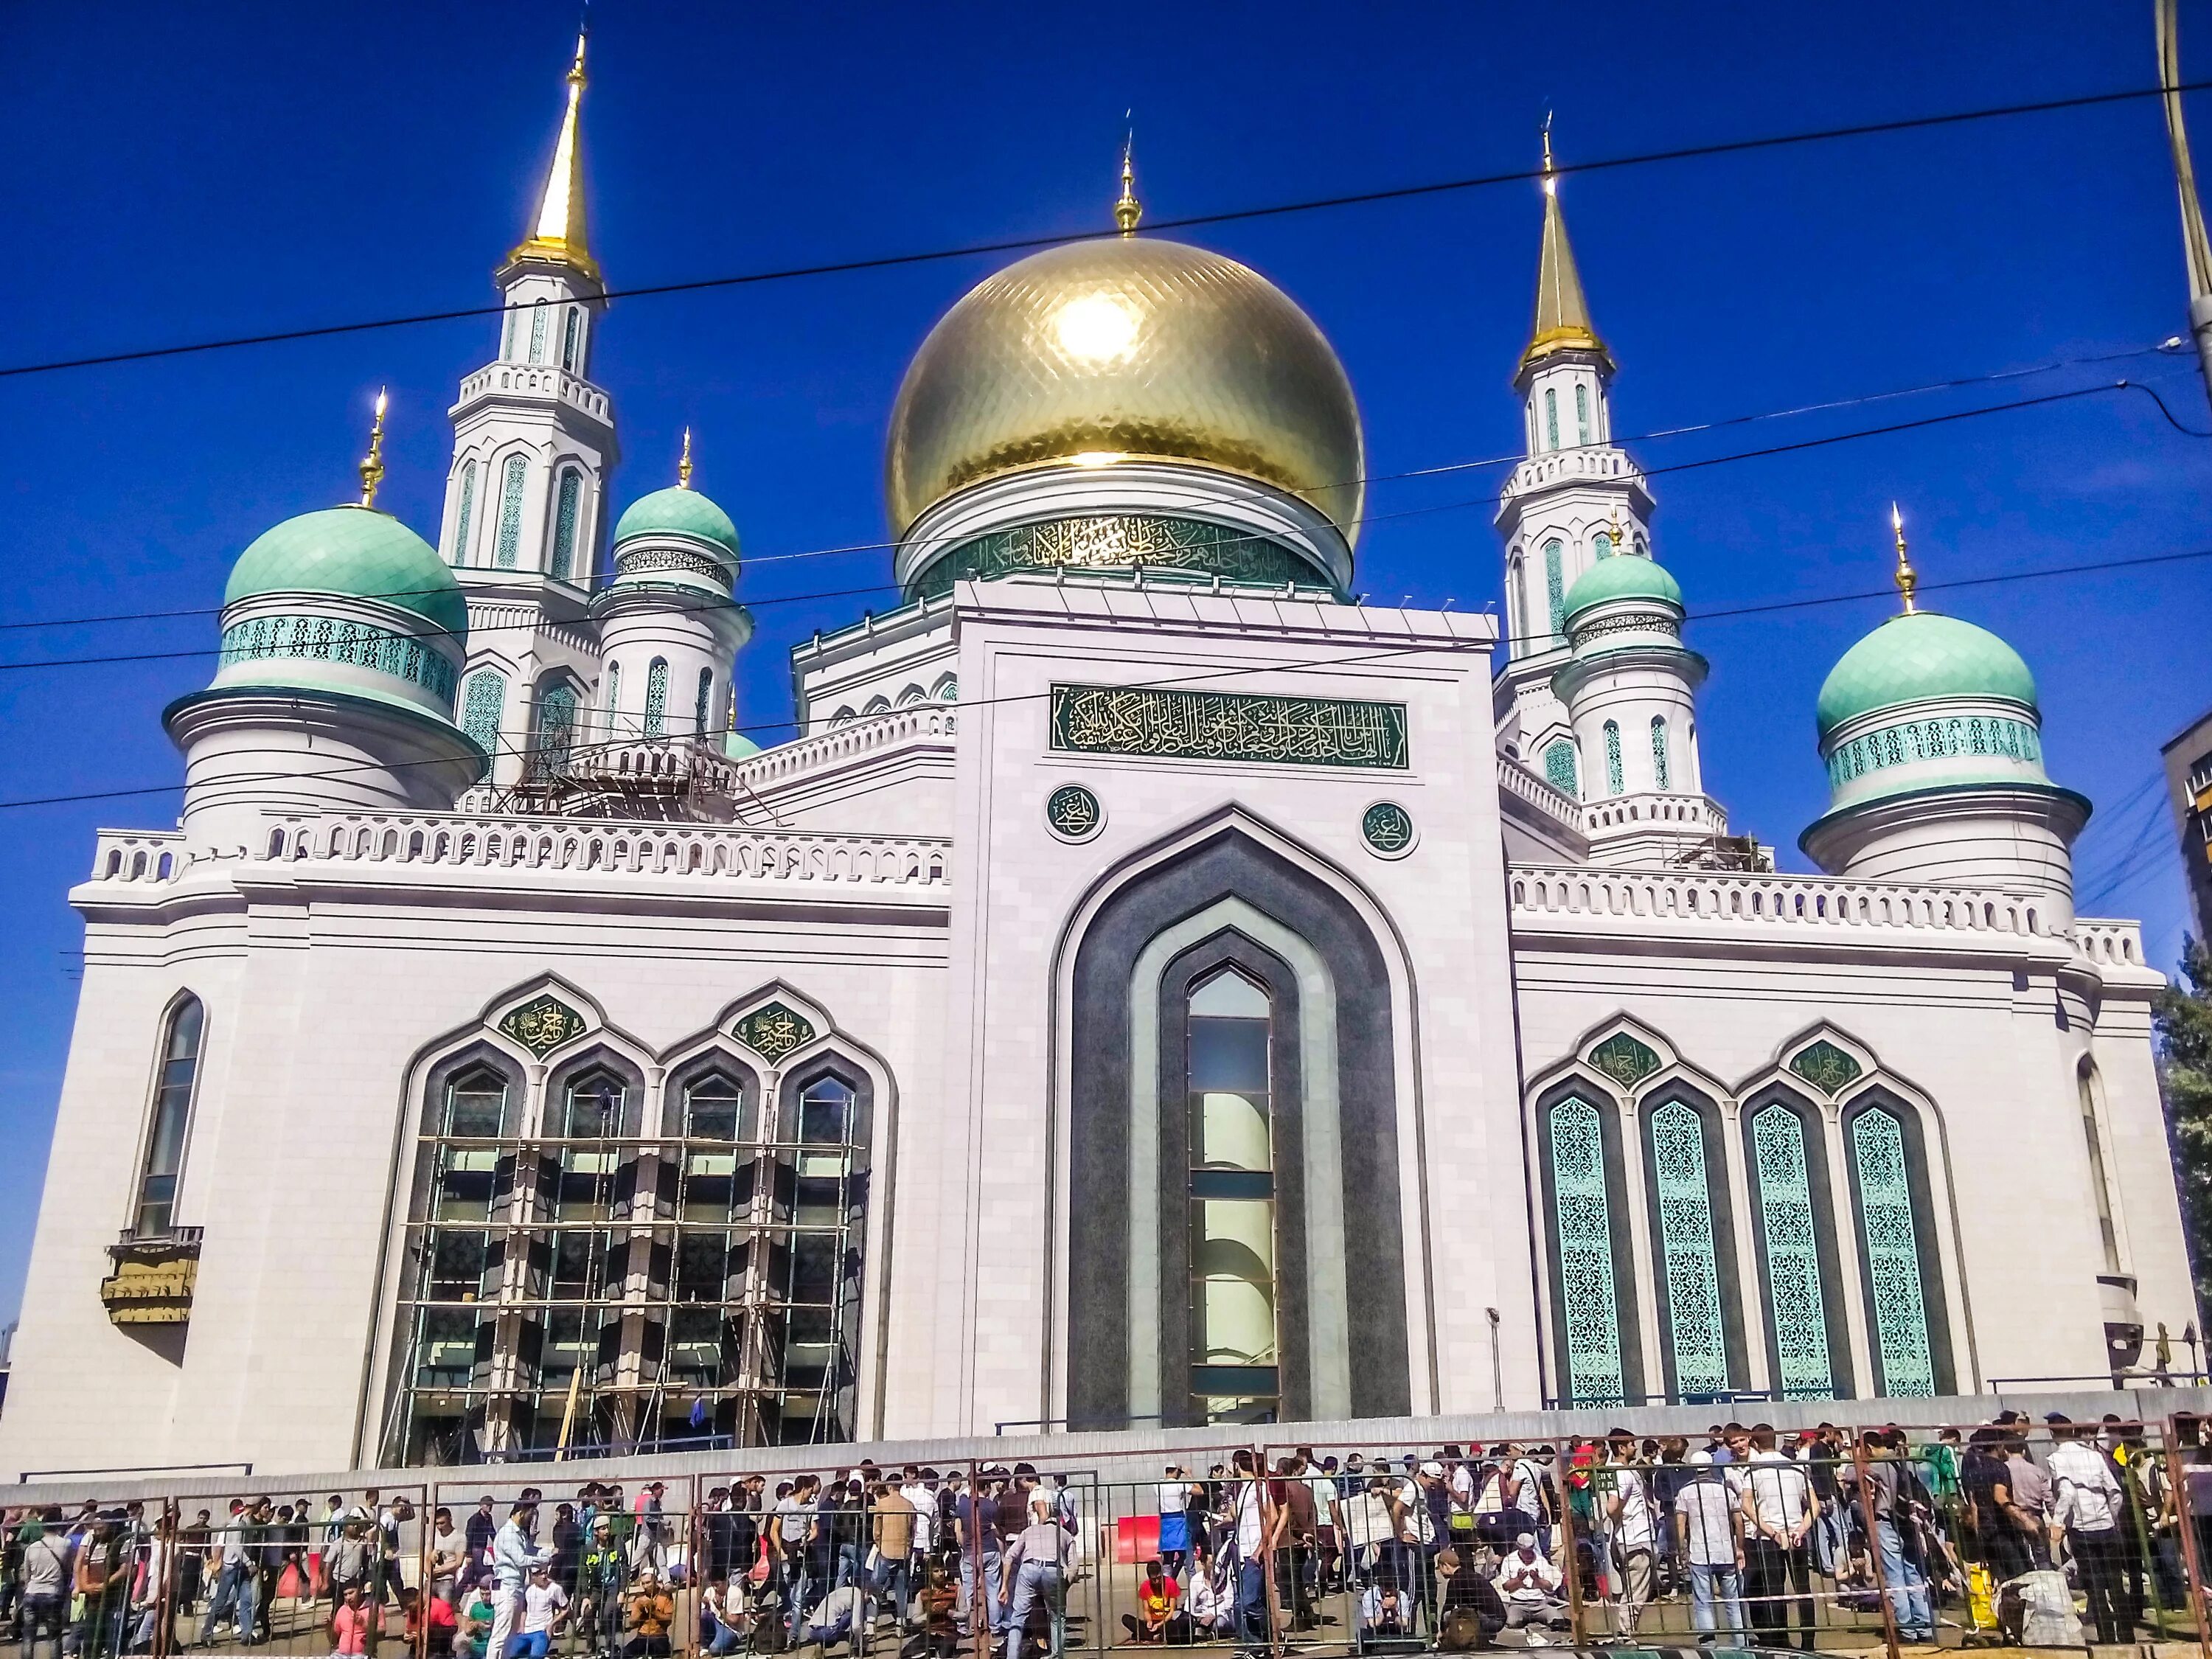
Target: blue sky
{"x": 180, "y": 173}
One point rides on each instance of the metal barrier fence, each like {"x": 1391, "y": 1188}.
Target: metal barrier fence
{"x": 2043, "y": 1534}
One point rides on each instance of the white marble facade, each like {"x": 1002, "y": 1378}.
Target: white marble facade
{"x": 938, "y": 963}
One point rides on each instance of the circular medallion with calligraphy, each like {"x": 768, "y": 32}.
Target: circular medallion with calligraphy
{"x": 1072, "y": 813}
{"x": 1388, "y": 829}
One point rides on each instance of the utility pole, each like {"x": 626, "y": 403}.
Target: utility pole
{"x": 2195, "y": 244}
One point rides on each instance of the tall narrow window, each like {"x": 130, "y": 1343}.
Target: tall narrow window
{"x": 1235, "y": 1375}
{"x": 1581, "y": 413}
{"x": 1589, "y": 1309}
{"x": 1551, "y": 418}
{"x": 507, "y": 321}
{"x": 656, "y": 698}
{"x": 572, "y": 333}
{"x": 2100, "y": 1184}
{"x": 510, "y": 512}
{"x": 466, "y": 518}
{"x": 1602, "y": 545}
{"x": 1789, "y": 1227}
{"x": 1615, "y": 784}
{"x": 1555, "y": 589}
{"x": 1689, "y": 1262}
{"x": 567, "y": 505}
{"x": 1560, "y": 767}
{"x": 173, "y": 1107}
{"x": 1659, "y": 772}
{"x": 817, "y": 1277}
{"x": 555, "y": 736}
{"x": 706, "y": 699}
{"x": 1897, "y": 1301}
{"x": 537, "y": 332}
{"x": 482, "y": 701}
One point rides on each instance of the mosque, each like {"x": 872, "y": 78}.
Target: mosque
{"x": 1153, "y": 988}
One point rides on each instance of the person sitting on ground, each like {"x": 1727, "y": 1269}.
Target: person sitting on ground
{"x": 438, "y": 1612}
{"x": 1157, "y": 1595}
{"x": 472, "y": 1633}
{"x": 722, "y": 1616}
{"x": 846, "y": 1615}
{"x": 648, "y": 1612}
{"x": 1470, "y": 1611}
{"x": 938, "y": 1600}
{"x": 1209, "y": 1607}
{"x": 1383, "y": 1610}
{"x": 349, "y": 1623}
{"x": 544, "y": 1610}
{"x": 1529, "y": 1585}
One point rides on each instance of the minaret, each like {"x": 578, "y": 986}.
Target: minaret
{"x": 534, "y": 444}
{"x": 1574, "y": 501}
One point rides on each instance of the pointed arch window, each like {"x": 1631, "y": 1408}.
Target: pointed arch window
{"x": 614, "y": 698}
{"x": 483, "y": 699}
{"x": 555, "y": 735}
{"x": 1235, "y": 1362}
{"x": 568, "y": 503}
{"x": 656, "y": 698}
{"x": 1615, "y": 784}
{"x": 1659, "y": 769}
{"x": 572, "y": 336}
{"x": 1602, "y": 545}
{"x": 537, "y": 332}
{"x": 510, "y": 512}
{"x": 1560, "y": 767}
{"x": 1551, "y": 418}
{"x": 154, "y": 1213}
{"x": 2100, "y": 1186}
{"x": 466, "y": 518}
{"x": 1588, "y": 1314}
{"x": 1555, "y": 588}
{"x": 1689, "y": 1255}
{"x": 1790, "y": 1232}
{"x": 1581, "y": 413}
{"x": 1890, "y": 1251}
{"x": 705, "y": 701}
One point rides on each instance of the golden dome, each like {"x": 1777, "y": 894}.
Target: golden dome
{"x": 1126, "y": 348}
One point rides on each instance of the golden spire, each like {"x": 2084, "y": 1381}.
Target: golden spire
{"x": 558, "y": 233}
{"x": 372, "y": 465}
{"x": 1908, "y": 578}
{"x": 1619, "y": 545}
{"x": 1128, "y": 209}
{"x": 1563, "y": 319}
{"x": 683, "y": 462}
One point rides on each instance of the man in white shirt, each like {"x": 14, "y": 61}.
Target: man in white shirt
{"x": 545, "y": 1609}
{"x": 1779, "y": 1507}
{"x": 2086, "y": 1506}
{"x": 1707, "y": 1522}
{"x": 513, "y": 1556}
{"x": 1635, "y": 1538}
{"x": 1529, "y": 1585}
{"x": 1255, "y": 1528}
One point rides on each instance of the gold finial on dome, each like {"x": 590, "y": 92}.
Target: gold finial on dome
{"x": 558, "y": 233}
{"x": 683, "y": 462}
{"x": 1908, "y": 578}
{"x": 372, "y": 465}
{"x": 1128, "y": 209}
{"x": 1563, "y": 319}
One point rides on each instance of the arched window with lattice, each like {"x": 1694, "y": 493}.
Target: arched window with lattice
{"x": 1555, "y": 588}
{"x": 483, "y": 700}
{"x": 465, "y": 518}
{"x": 1898, "y": 1260}
{"x": 554, "y": 733}
{"x": 1794, "y": 1239}
{"x": 568, "y": 508}
{"x": 1693, "y": 1252}
{"x": 1616, "y": 782}
{"x": 1660, "y": 770}
{"x": 1592, "y": 1296}
{"x": 1560, "y": 767}
{"x": 656, "y": 698}
{"x": 510, "y": 512}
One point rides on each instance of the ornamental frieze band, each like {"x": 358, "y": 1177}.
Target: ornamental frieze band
{"x": 1115, "y": 719}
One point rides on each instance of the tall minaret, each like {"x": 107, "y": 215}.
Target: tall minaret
{"x": 1566, "y": 506}
{"x": 533, "y": 444}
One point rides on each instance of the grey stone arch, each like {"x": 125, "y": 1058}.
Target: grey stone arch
{"x": 709, "y": 1060}
{"x": 1303, "y": 912}
{"x": 1627, "y": 1321}
{"x": 1835, "y": 1319}
{"x": 1919, "y": 1172}
{"x": 829, "y": 1061}
{"x": 636, "y": 1256}
{"x": 1720, "y": 1210}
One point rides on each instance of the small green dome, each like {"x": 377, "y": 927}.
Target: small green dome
{"x": 355, "y": 551}
{"x": 1920, "y": 655}
{"x": 677, "y": 512}
{"x": 736, "y": 746}
{"x": 1623, "y": 576}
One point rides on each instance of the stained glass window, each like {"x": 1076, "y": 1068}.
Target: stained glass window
{"x": 1560, "y": 767}
{"x": 510, "y": 512}
{"x": 706, "y": 697}
{"x": 556, "y": 729}
{"x": 564, "y": 523}
{"x": 482, "y": 700}
{"x": 656, "y": 698}
{"x": 1590, "y": 1309}
{"x": 537, "y": 332}
{"x": 1555, "y": 585}
{"x": 1659, "y": 752}
{"x": 1581, "y": 413}
{"x": 467, "y": 515}
{"x": 1613, "y": 780}
{"x": 173, "y": 1106}
{"x": 1551, "y": 418}
{"x": 1896, "y": 1302}
{"x": 1689, "y": 1265}
{"x": 1788, "y": 1222}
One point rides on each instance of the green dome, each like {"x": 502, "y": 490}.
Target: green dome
{"x": 736, "y": 746}
{"x": 1920, "y": 655}
{"x": 677, "y": 512}
{"x": 355, "y": 551}
{"x": 1622, "y": 576}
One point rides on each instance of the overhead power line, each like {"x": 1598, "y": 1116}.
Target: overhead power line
{"x": 1026, "y": 244}
{"x": 964, "y": 703}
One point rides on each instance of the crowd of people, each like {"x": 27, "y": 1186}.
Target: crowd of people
{"x": 1742, "y": 1535}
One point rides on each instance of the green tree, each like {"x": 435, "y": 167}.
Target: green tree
{"x": 2184, "y": 1055}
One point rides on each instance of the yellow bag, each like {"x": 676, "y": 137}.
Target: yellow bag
{"x": 1981, "y": 1599}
